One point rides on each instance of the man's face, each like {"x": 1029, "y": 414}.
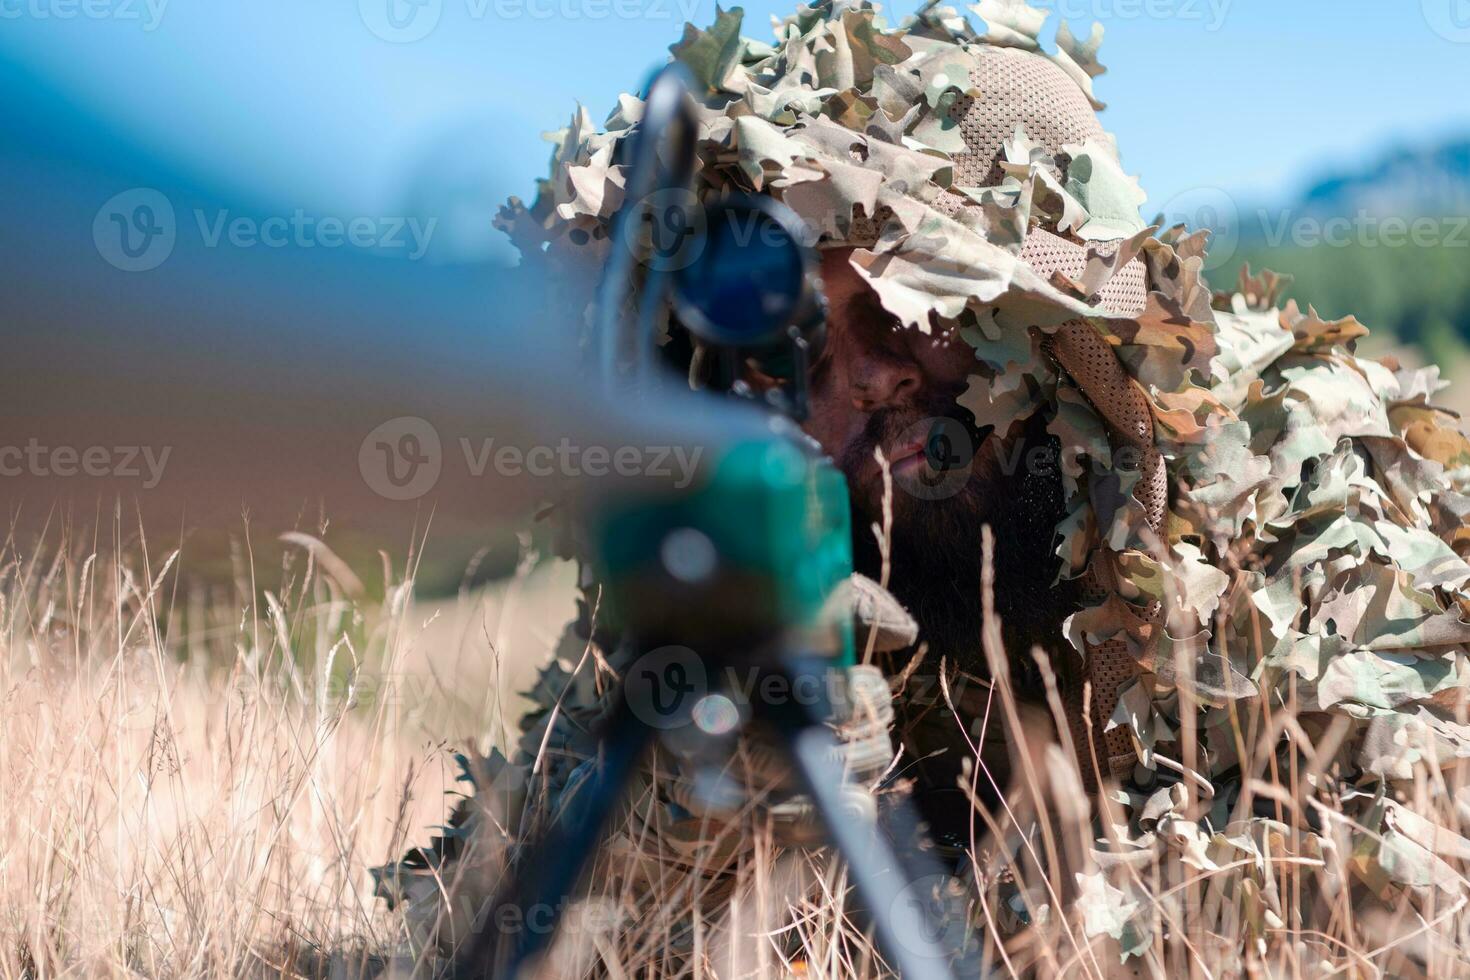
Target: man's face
{"x": 879, "y": 386}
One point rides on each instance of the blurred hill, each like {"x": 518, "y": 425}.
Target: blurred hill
{"x": 1409, "y": 182}
{"x": 1388, "y": 242}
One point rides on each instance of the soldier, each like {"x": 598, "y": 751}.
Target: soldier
{"x": 1201, "y": 502}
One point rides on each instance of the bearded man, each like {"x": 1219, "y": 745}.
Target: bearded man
{"x": 1201, "y": 502}
{"x": 882, "y": 388}
{"x": 1021, "y": 148}
{"x": 885, "y": 407}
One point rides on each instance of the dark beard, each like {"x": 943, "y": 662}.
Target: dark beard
{"x": 935, "y": 571}
{"x": 936, "y": 560}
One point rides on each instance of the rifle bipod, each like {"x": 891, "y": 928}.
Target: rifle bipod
{"x": 509, "y": 947}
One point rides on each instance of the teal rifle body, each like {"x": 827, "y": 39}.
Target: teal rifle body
{"x": 778, "y": 517}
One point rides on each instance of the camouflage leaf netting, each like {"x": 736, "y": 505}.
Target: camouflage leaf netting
{"x": 1278, "y": 524}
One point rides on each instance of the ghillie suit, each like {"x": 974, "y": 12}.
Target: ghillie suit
{"x": 1271, "y": 530}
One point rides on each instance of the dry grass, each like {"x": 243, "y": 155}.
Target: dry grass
{"x": 194, "y": 783}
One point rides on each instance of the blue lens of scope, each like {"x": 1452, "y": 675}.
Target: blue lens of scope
{"x": 747, "y": 280}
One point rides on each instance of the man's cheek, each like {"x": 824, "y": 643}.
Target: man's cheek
{"x": 948, "y": 367}
{"x": 818, "y": 428}
{"x": 827, "y": 422}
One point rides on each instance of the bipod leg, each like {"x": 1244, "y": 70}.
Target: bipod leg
{"x": 899, "y": 907}
{"x": 522, "y": 920}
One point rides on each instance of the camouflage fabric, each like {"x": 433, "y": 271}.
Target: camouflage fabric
{"x": 1312, "y": 560}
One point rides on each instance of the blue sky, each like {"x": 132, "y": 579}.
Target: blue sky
{"x": 303, "y": 103}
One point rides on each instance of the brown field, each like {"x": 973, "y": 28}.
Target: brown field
{"x": 195, "y": 784}
{"x": 193, "y": 787}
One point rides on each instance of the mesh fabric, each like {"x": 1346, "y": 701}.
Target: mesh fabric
{"x": 1021, "y": 91}
{"x": 1017, "y": 89}
{"x": 1085, "y": 356}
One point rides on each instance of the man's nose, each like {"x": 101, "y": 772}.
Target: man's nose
{"x": 884, "y": 380}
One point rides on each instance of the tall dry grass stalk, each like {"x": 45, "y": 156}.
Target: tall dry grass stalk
{"x": 1281, "y": 875}
{"x": 195, "y": 782}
